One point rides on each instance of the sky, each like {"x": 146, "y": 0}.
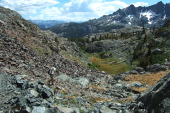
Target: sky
{"x": 70, "y": 10}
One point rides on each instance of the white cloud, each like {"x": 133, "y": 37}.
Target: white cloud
{"x": 140, "y": 4}
{"x": 82, "y": 10}
{"x": 103, "y": 8}
{"x": 75, "y": 10}
{"x": 27, "y": 6}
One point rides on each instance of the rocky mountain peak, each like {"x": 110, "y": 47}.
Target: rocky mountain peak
{"x": 158, "y": 8}
{"x": 131, "y": 10}
{"x": 160, "y": 3}
{"x": 154, "y": 15}
{"x": 27, "y": 53}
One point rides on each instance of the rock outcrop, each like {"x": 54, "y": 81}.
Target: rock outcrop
{"x": 26, "y": 55}
{"x": 157, "y": 98}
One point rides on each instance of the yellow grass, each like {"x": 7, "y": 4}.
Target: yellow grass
{"x": 109, "y": 67}
{"x": 97, "y": 88}
{"x": 149, "y": 79}
{"x": 139, "y": 90}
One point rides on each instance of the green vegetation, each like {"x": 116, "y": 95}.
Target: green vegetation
{"x": 93, "y": 66}
{"x": 143, "y": 52}
{"x": 142, "y": 55}
{"x": 109, "y": 65}
{"x": 56, "y": 40}
{"x": 41, "y": 52}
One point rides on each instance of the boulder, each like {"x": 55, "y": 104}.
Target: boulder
{"x": 34, "y": 93}
{"x": 134, "y": 84}
{"x": 155, "y": 68}
{"x": 61, "y": 109}
{"x": 133, "y": 72}
{"x": 157, "y": 98}
{"x": 139, "y": 69}
{"x": 83, "y": 81}
{"x": 105, "y": 109}
{"x": 39, "y": 109}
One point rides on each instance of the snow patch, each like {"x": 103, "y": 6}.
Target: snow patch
{"x": 130, "y": 17}
{"x": 149, "y": 14}
{"x": 164, "y": 17}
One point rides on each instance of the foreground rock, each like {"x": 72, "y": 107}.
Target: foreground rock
{"x": 157, "y": 98}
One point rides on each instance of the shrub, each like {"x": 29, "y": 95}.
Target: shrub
{"x": 92, "y": 65}
{"x": 143, "y": 62}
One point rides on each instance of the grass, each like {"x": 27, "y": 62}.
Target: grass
{"x": 125, "y": 100}
{"x": 109, "y": 66}
{"x": 139, "y": 90}
{"x": 72, "y": 57}
{"x": 99, "y": 99}
{"x": 149, "y": 79}
{"x": 97, "y": 88}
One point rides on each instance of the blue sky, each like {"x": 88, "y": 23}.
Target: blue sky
{"x": 70, "y": 10}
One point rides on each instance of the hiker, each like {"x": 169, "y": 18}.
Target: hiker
{"x": 51, "y": 73}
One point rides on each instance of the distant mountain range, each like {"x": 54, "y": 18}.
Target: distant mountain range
{"x": 44, "y": 24}
{"x": 150, "y": 16}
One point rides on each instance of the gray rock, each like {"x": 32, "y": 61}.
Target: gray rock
{"x": 133, "y": 72}
{"x": 83, "y": 81}
{"x": 45, "y": 93}
{"x": 139, "y": 69}
{"x": 155, "y": 68}
{"x": 18, "y": 81}
{"x": 118, "y": 77}
{"x": 157, "y": 99}
{"x": 32, "y": 84}
{"x": 34, "y": 92}
{"x": 61, "y": 109}
{"x": 118, "y": 86}
{"x": 37, "y": 109}
{"x": 134, "y": 84}
{"x": 64, "y": 77}
{"x": 105, "y": 109}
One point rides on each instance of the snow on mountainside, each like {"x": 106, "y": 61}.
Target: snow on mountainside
{"x": 149, "y": 14}
{"x": 154, "y": 15}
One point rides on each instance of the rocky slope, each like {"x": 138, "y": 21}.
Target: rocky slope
{"x": 26, "y": 55}
{"x": 154, "y": 15}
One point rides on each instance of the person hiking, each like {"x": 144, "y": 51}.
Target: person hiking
{"x": 51, "y": 73}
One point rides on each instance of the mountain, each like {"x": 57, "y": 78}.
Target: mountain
{"x": 150, "y": 16}
{"x": 44, "y": 24}
{"x": 27, "y": 53}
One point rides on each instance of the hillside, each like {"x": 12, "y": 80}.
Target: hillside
{"x": 26, "y": 55}
{"x": 45, "y": 24}
{"x": 154, "y": 15}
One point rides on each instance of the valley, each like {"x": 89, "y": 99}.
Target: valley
{"x": 100, "y": 68}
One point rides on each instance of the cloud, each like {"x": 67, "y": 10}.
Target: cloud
{"x": 140, "y": 4}
{"x": 82, "y": 10}
{"x": 27, "y": 6}
{"x": 74, "y": 10}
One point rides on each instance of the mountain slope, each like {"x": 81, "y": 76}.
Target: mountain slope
{"x": 154, "y": 15}
{"x": 44, "y": 24}
{"x": 26, "y": 55}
